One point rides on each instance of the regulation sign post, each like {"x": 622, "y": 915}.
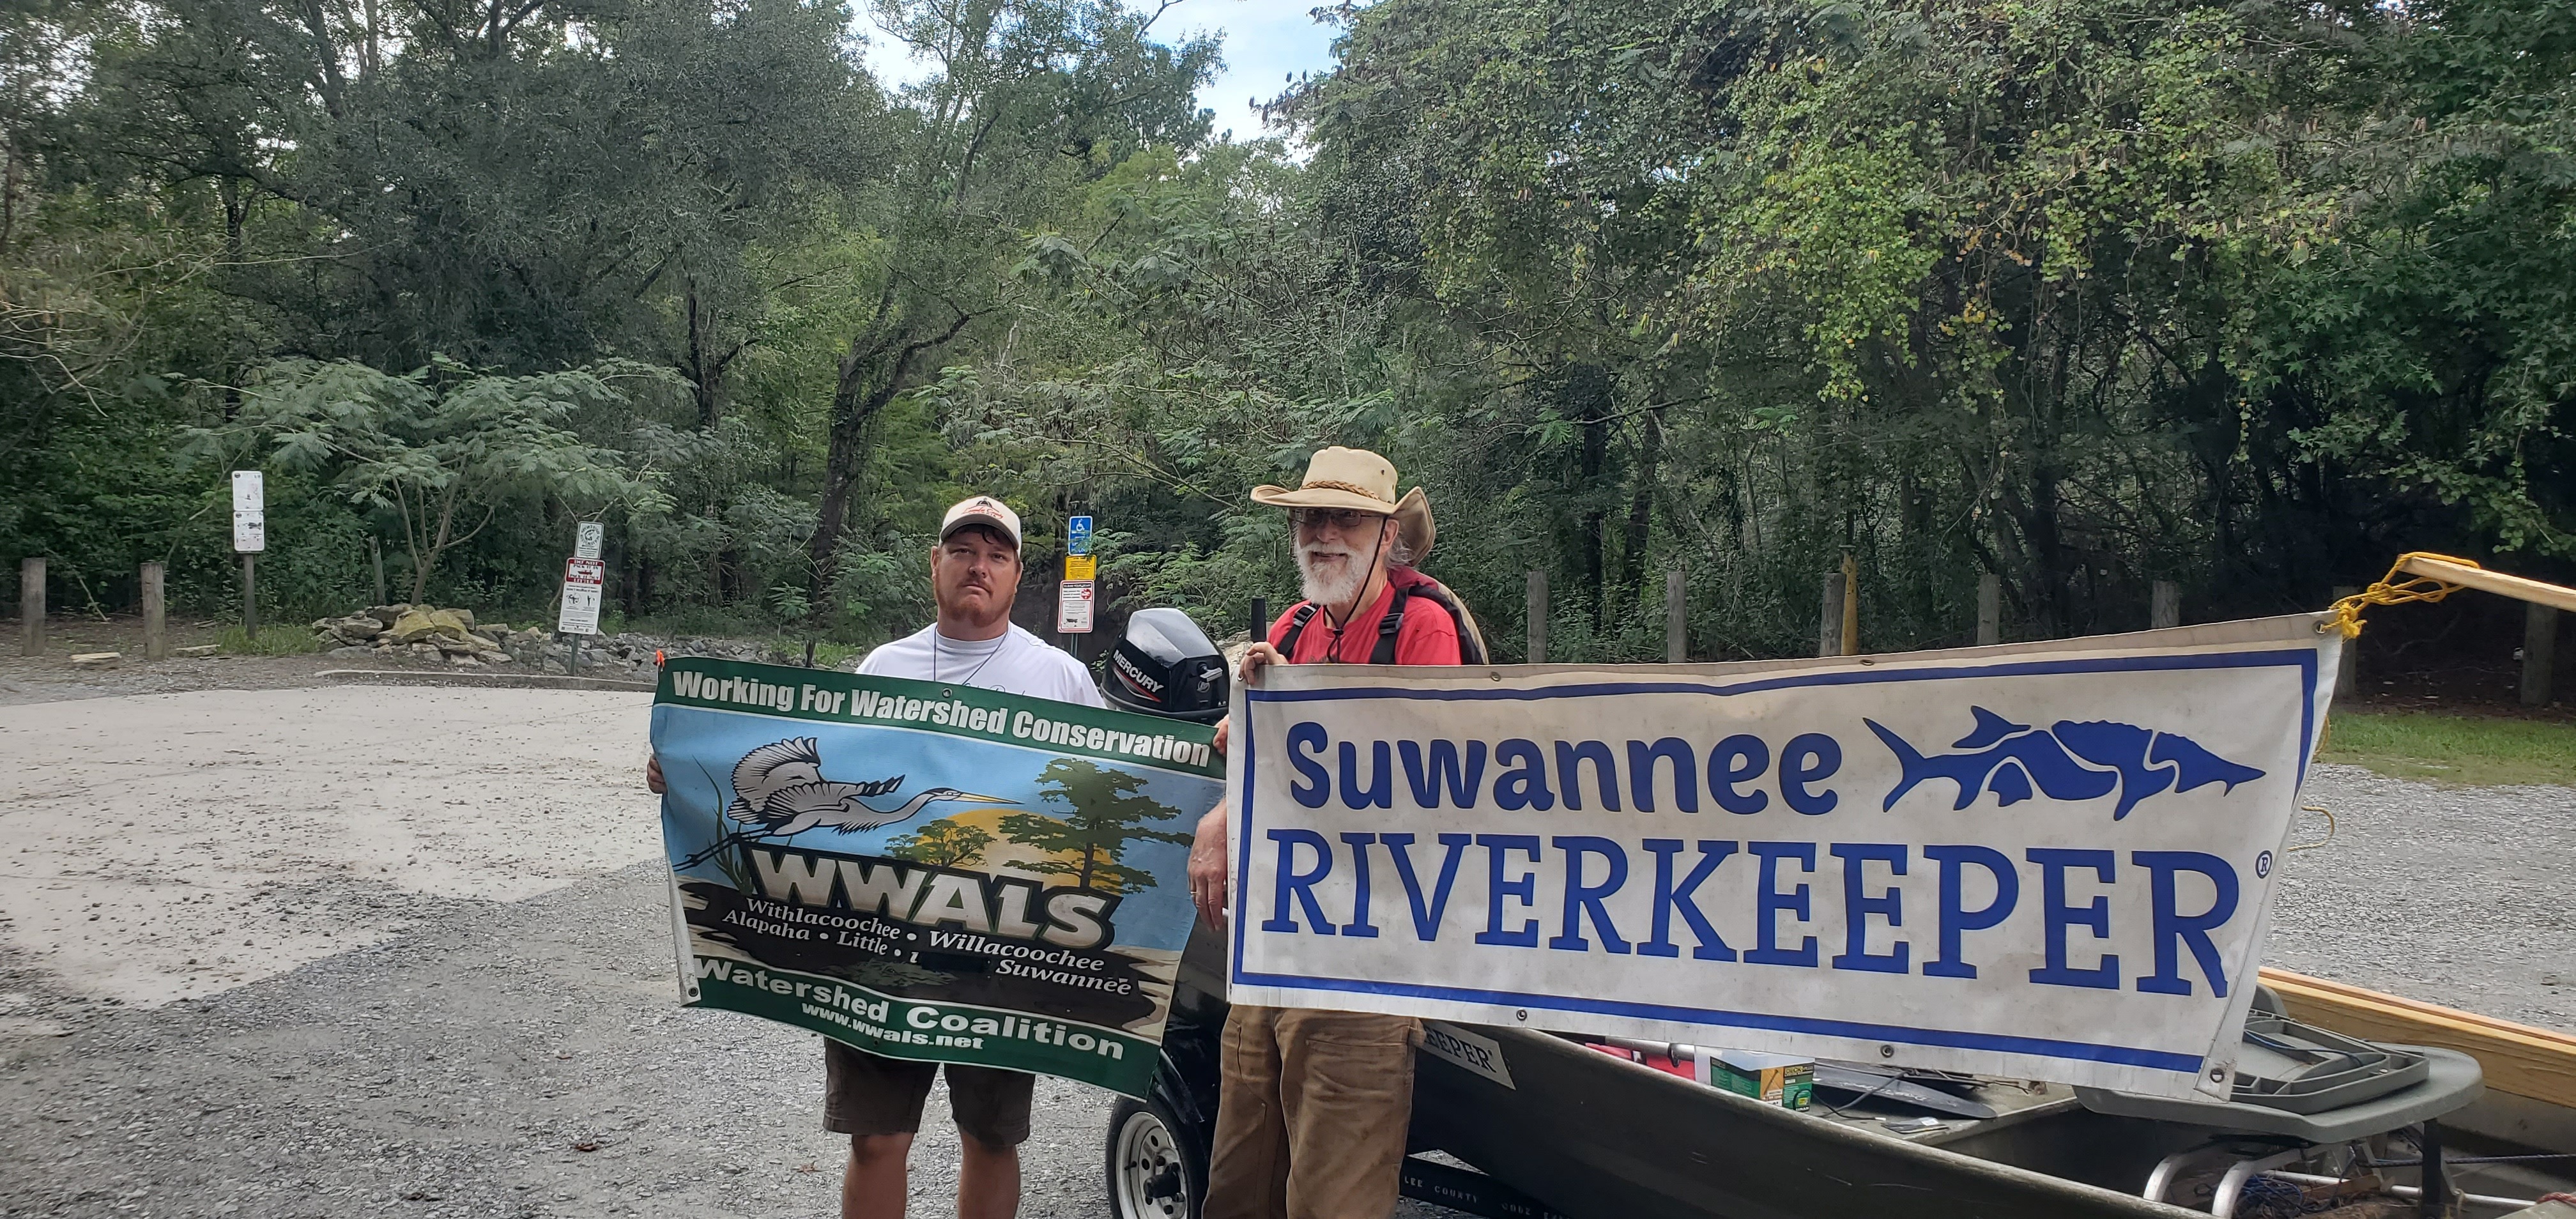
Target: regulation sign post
{"x": 250, "y": 536}
{"x": 583, "y": 580}
{"x": 250, "y": 512}
{"x": 1073, "y": 608}
{"x": 1073, "y": 602}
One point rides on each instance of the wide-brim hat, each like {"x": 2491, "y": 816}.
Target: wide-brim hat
{"x": 1357, "y": 479}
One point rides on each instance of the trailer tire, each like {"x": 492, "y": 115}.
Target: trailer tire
{"x": 1156, "y": 1171}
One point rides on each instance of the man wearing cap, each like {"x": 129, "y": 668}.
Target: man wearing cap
{"x": 974, "y": 575}
{"x": 1313, "y": 1105}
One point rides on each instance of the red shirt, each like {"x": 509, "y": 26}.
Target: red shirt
{"x": 1428, "y": 635}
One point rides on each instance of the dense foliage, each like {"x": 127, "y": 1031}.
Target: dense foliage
{"x": 2085, "y": 293}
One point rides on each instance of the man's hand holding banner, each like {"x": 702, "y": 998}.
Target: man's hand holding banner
{"x": 2049, "y": 861}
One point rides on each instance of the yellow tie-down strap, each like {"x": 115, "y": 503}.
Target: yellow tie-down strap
{"x": 2421, "y": 575}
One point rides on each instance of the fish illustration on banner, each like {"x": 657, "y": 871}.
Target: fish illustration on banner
{"x": 931, "y": 872}
{"x": 2006, "y": 758}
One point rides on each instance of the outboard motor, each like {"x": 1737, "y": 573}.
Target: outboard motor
{"x": 1166, "y": 666}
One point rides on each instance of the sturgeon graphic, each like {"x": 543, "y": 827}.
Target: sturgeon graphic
{"x": 2008, "y": 759}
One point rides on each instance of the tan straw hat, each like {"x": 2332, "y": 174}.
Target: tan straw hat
{"x": 1337, "y": 477}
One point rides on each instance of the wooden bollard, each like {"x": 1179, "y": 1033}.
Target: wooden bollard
{"x": 1851, "y": 607}
{"x": 1990, "y": 609}
{"x": 2164, "y": 606}
{"x": 1676, "y": 617}
{"x": 2539, "y": 653}
{"x": 1829, "y": 625}
{"x": 31, "y": 606}
{"x": 1538, "y": 617}
{"x": 156, "y": 626}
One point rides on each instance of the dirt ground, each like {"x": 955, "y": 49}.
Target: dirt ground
{"x": 51, "y": 677}
{"x": 331, "y": 951}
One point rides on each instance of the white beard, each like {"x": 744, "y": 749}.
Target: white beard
{"x": 1330, "y": 583}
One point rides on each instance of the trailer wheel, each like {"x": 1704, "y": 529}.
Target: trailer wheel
{"x": 1155, "y": 1170}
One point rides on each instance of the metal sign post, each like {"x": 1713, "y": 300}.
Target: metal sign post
{"x": 1073, "y": 600}
{"x": 583, "y": 581}
{"x": 1073, "y": 607}
{"x": 250, "y": 536}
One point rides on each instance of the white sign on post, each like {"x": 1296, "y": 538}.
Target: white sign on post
{"x": 2048, "y": 861}
{"x": 250, "y": 516}
{"x": 1073, "y": 608}
{"x": 583, "y": 580}
{"x": 588, "y": 543}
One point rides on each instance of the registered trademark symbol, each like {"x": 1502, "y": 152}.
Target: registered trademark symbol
{"x": 2263, "y": 865}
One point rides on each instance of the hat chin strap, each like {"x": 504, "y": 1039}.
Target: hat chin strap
{"x": 1339, "y": 621}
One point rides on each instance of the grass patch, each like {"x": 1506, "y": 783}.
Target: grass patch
{"x": 830, "y": 655}
{"x": 271, "y": 641}
{"x": 2472, "y": 750}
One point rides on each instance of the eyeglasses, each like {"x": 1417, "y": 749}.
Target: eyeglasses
{"x": 1348, "y": 520}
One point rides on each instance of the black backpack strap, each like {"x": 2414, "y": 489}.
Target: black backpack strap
{"x": 1468, "y": 653}
{"x": 1384, "y": 652}
{"x": 1297, "y": 621}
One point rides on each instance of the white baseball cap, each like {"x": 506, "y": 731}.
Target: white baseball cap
{"x": 982, "y": 510}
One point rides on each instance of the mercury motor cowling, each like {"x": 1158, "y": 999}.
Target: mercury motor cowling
{"x": 1165, "y": 665}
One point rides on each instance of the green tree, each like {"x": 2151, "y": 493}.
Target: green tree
{"x": 1108, "y": 814}
{"x": 947, "y": 843}
{"x": 1027, "y": 100}
{"x": 444, "y": 449}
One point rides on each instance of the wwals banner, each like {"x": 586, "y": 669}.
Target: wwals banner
{"x": 930, "y": 871}
{"x": 2046, "y": 861}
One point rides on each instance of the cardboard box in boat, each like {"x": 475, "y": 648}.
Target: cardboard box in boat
{"x": 1778, "y": 1079}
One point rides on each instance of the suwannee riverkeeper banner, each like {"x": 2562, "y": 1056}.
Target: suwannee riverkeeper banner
{"x": 2042, "y": 861}
{"x": 931, "y": 871}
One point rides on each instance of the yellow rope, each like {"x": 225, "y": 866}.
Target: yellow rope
{"x": 2345, "y": 615}
{"x": 2321, "y": 811}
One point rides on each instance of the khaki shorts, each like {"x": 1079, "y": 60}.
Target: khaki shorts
{"x": 866, "y": 1093}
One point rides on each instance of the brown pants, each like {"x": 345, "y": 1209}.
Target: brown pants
{"x": 1311, "y": 1120}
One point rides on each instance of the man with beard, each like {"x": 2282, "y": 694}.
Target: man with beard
{"x": 877, "y": 1101}
{"x": 1313, "y": 1104}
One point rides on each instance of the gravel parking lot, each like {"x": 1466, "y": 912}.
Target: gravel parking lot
{"x": 332, "y": 972}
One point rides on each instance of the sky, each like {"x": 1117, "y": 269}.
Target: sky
{"x": 1264, "y": 41}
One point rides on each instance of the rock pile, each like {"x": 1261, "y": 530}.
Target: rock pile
{"x": 429, "y": 633}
